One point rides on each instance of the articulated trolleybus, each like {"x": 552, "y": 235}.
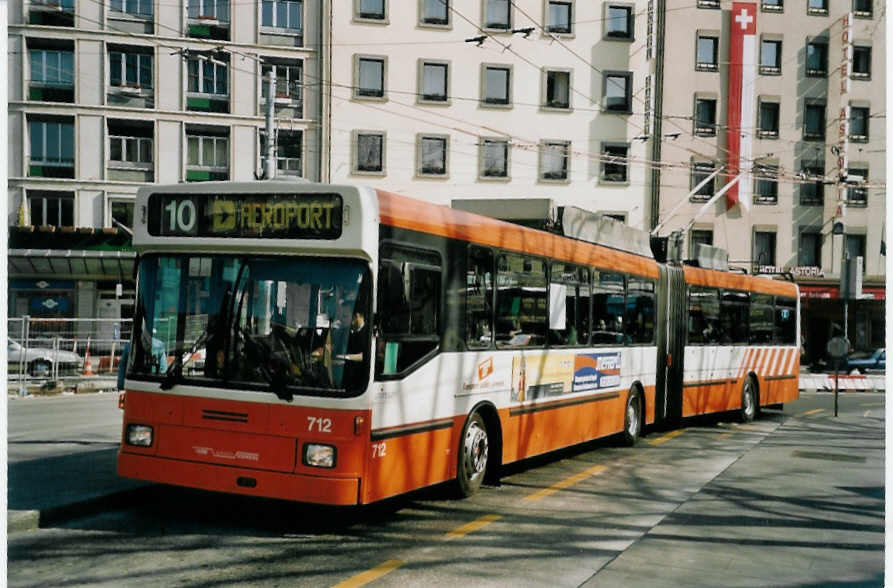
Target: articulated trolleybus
{"x": 340, "y": 344}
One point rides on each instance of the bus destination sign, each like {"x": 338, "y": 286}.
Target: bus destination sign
{"x": 269, "y": 216}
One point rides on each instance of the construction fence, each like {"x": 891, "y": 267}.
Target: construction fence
{"x": 65, "y": 352}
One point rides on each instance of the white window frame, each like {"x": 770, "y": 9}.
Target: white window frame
{"x": 604, "y": 161}
{"x": 282, "y": 162}
{"x": 439, "y": 25}
{"x": 709, "y": 66}
{"x": 203, "y": 140}
{"x": 110, "y": 200}
{"x": 770, "y": 171}
{"x": 545, "y": 89}
{"x": 703, "y": 131}
{"x": 201, "y": 78}
{"x": 820, "y": 135}
{"x": 60, "y": 162}
{"x": 485, "y": 5}
{"x": 547, "y": 16}
{"x": 45, "y": 68}
{"x": 291, "y": 70}
{"x": 421, "y": 81}
{"x": 484, "y": 142}
{"x": 509, "y": 90}
{"x": 565, "y": 152}
{"x": 127, "y": 142}
{"x": 279, "y": 27}
{"x": 358, "y": 58}
{"x": 699, "y": 171}
{"x": 370, "y": 19}
{"x": 208, "y": 10}
{"x": 630, "y": 34}
{"x": 122, "y": 7}
{"x": 864, "y": 137}
{"x": 355, "y": 152}
{"x": 768, "y": 133}
{"x": 628, "y": 91}
{"x": 140, "y": 57}
{"x": 771, "y": 70}
{"x": 420, "y": 172}
{"x": 68, "y": 197}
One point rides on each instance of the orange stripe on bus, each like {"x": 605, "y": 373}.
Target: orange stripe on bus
{"x": 417, "y": 215}
{"x": 706, "y": 277}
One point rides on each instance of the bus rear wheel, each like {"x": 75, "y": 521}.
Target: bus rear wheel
{"x": 632, "y": 424}
{"x": 474, "y": 453}
{"x": 748, "y": 400}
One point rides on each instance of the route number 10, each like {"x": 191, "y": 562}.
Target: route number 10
{"x": 182, "y": 216}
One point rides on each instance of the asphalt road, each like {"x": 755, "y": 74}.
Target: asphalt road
{"x": 793, "y": 499}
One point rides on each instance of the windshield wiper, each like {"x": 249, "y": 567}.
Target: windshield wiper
{"x": 174, "y": 373}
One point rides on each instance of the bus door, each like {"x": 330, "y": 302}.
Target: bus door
{"x": 671, "y": 324}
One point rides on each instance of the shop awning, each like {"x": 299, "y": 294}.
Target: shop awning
{"x": 71, "y": 264}
{"x": 74, "y": 253}
{"x": 833, "y": 292}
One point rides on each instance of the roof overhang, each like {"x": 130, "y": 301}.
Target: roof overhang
{"x": 71, "y": 264}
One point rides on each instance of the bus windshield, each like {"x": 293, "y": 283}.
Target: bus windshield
{"x": 287, "y": 325}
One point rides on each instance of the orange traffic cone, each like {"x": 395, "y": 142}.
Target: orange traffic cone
{"x": 88, "y": 365}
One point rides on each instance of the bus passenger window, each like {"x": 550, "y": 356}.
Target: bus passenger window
{"x": 479, "y": 298}
{"x": 639, "y": 317}
{"x": 733, "y": 311}
{"x": 568, "y": 305}
{"x": 704, "y": 326}
{"x": 608, "y": 301}
{"x": 408, "y": 309}
{"x": 785, "y": 320}
{"x": 762, "y": 319}
{"x": 521, "y": 302}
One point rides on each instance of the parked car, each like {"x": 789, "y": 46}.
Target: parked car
{"x": 39, "y": 360}
{"x": 860, "y": 363}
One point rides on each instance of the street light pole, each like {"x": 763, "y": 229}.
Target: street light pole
{"x": 270, "y": 151}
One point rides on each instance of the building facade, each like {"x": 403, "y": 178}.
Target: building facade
{"x": 491, "y": 99}
{"x": 107, "y": 96}
{"x": 816, "y": 130}
{"x": 576, "y": 103}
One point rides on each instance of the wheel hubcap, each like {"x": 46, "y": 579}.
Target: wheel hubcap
{"x": 476, "y": 449}
{"x": 748, "y": 400}
{"x": 632, "y": 418}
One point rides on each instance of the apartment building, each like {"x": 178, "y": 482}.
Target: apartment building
{"x": 818, "y": 141}
{"x": 494, "y": 99}
{"x": 108, "y": 95}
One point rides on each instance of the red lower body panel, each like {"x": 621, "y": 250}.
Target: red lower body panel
{"x": 219, "y": 478}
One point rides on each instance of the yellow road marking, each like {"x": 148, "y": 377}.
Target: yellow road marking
{"x": 474, "y": 525}
{"x": 564, "y": 484}
{"x": 364, "y": 578}
{"x": 724, "y": 436}
{"x": 813, "y": 411}
{"x": 667, "y": 437}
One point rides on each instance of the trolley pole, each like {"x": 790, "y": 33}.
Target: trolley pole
{"x": 270, "y": 151}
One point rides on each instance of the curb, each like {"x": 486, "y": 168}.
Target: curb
{"x": 28, "y": 520}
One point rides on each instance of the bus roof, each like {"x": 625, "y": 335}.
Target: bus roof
{"x": 697, "y": 276}
{"x": 417, "y": 215}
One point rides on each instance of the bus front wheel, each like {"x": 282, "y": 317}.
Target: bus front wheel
{"x": 474, "y": 452}
{"x": 748, "y": 400}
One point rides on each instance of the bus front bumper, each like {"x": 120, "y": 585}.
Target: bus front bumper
{"x": 218, "y": 478}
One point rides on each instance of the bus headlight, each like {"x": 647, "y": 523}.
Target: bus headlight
{"x": 318, "y": 455}
{"x": 139, "y": 435}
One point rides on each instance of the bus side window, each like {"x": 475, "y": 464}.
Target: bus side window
{"x": 479, "y": 298}
{"x": 785, "y": 320}
{"x": 608, "y": 303}
{"x": 568, "y": 305}
{"x": 704, "y": 325}
{"x": 521, "y": 301}
{"x": 408, "y": 310}
{"x": 639, "y": 317}
{"x": 762, "y": 319}
{"x": 734, "y": 312}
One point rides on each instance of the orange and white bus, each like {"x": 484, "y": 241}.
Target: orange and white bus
{"x": 340, "y": 344}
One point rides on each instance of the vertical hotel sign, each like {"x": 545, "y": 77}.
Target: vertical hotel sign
{"x": 742, "y": 100}
{"x": 843, "y": 117}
